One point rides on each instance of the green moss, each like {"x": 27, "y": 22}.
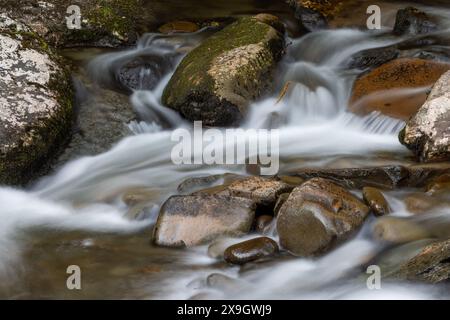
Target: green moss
{"x": 110, "y": 22}
{"x": 193, "y": 69}
{"x": 114, "y": 16}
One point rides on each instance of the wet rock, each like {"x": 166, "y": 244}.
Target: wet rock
{"x": 250, "y": 250}
{"x": 372, "y": 58}
{"x": 194, "y": 220}
{"x": 394, "y": 257}
{"x": 439, "y": 184}
{"x": 140, "y": 195}
{"x": 398, "y": 230}
{"x": 263, "y": 223}
{"x": 222, "y": 282}
{"x": 178, "y": 27}
{"x": 427, "y": 134}
{"x": 317, "y": 216}
{"x": 431, "y": 265}
{"x": 420, "y": 175}
{"x": 216, "y": 81}
{"x": 327, "y": 8}
{"x": 35, "y": 104}
{"x": 413, "y": 21}
{"x": 218, "y": 247}
{"x": 376, "y": 201}
{"x": 388, "y": 177}
{"x": 397, "y": 88}
{"x": 280, "y": 201}
{"x": 263, "y": 191}
{"x": 198, "y": 183}
{"x": 104, "y": 23}
{"x": 423, "y": 203}
{"x": 143, "y": 73}
{"x": 309, "y": 19}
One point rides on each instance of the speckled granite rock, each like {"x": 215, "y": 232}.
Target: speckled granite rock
{"x": 35, "y": 102}
{"x": 427, "y": 134}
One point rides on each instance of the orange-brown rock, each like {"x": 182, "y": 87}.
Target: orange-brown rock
{"x": 397, "y": 89}
{"x": 178, "y": 27}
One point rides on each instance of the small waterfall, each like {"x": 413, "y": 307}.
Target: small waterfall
{"x": 314, "y": 123}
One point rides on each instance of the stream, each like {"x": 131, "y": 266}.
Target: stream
{"x": 77, "y": 215}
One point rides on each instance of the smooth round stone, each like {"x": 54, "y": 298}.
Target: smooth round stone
{"x": 250, "y": 250}
{"x": 376, "y": 201}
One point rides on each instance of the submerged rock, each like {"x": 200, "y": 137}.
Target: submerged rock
{"x": 317, "y": 216}
{"x": 376, "y": 201}
{"x": 374, "y": 57}
{"x": 431, "y": 265}
{"x": 397, "y": 88}
{"x": 35, "y": 103}
{"x": 413, "y": 21}
{"x": 398, "y": 230}
{"x": 427, "y": 134}
{"x": 143, "y": 73}
{"x": 424, "y": 203}
{"x": 250, "y": 250}
{"x": 216, "y": 81}
{"x": 439, "y": 185}
{"x": 194, "y": 220}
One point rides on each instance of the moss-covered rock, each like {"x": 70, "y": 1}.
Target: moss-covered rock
{"x": 216, "y": 81}
{"x": 107, "y": 23}
{"x": 35, "y": 103}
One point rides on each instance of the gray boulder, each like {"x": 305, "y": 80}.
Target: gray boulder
{"x": 427, "y": 133}
{"x": 35, "y": 103}
{"x": 199, "y": 219}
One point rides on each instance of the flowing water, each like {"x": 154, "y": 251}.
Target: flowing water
{"x": 77, "y": 215}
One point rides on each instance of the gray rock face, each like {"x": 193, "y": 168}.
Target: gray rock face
{"x": 317, "y": 216}
{"x": 35, "y": 103}
{"x": 427, "y": 134}
{"x": 194, "y": 220}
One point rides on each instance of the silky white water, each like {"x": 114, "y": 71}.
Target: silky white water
{"x": 315, "y": 130}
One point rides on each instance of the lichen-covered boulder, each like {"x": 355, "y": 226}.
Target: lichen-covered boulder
{"x": 317, "y": 216}
{"x": 199, "y": 219}
{"x": 35, "y": 103}
{"x": 427, "y": 134}
{"x": 216, "y": 81}
{"x": 397, "y": 88}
